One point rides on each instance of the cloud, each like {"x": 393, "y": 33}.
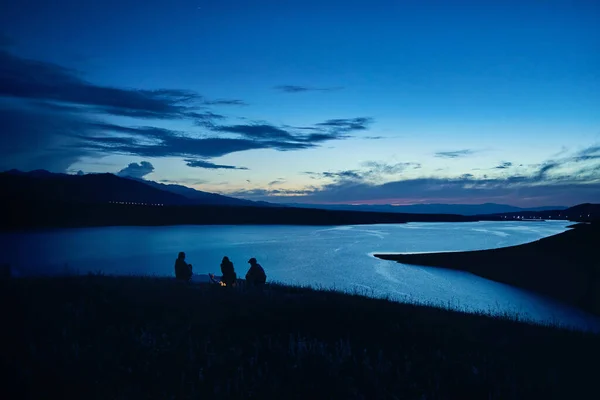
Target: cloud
{"x": 464, "y": 189}
{"x": 276, "y": 182}
{"x": 147, "y": 141}
{"x": 80, "y": 173}
{"x": 546, "y": 184}
{"x": 209, "y": 165}
{"x": 347, "y": 124}
{"x": 301, "y": 89}
{"x": 380, "y": 168}
{"x": 225, "y": 102}
{"x": 257, "y": 131}
{"x": 372, "y": 171}
{"x": 135, "y": 170}
{"x": 296, "y": 137}
{"x": 51, "y": 117}
{"x": 504, "y": 165}
{"x": 189, "y": 181}
{"x": 454, "y": 154}
{"x": 37, "y": 80}
{"x": 589, "y": 154}
{"x": 34, "y": 138}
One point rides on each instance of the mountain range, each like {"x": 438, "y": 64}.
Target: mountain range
{"x": 106, "y": 187}
{"x": 461, "y": 209}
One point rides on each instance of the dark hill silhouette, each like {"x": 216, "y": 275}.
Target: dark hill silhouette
{"x": 581, "y": 213}
{"x": 563, "y": 266}
{"x": 91, "y": 188}
{"x": 102, "y": 188}
{"x": 200, "y": 197}
{"x": 461, "y": 209}
{"x": 35, "y": 213}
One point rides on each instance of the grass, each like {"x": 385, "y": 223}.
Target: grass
{"x": 143, "y": 337}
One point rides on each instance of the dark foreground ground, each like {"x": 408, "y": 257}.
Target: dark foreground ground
{"x": 100, "y": 337}
{"x": 564, "y": 266}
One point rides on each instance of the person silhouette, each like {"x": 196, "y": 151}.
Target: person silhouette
{"x": 183, "y": 270}
{"x": 256, "y": 274}
{"x": 229, "y": 275}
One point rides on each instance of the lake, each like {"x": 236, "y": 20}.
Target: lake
{"x": 330, "y": 257}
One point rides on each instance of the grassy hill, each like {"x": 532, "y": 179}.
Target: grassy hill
{"x": 563, "y": 266}
{"x": 132, "y": 337}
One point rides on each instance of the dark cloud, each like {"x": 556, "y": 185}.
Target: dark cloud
{"x": 343, "y": 175}
{"x": 135, "y": 170}
{"x": 256, "y": 131}
{"x": 580, "y": 184}
{"x": 301, "y": 89}
{"x": 33, "y": 138}
{"x": 321, "y": 132}
{"x": 588, "y": 154}
{"x": 37, "y": 80}
{"x": 426, "y": 190}
{"x": 271, "y": 193}
{"x": 225, "y": 102}
{"x": 276, "y": 182}
{"x": 380, "y": 168}
{"x": 59, "y": 119}
{"x": 209, "y": 165}
{"x": 80, "y": 173}
{"x": 545, "y": 168}
{"x": 159, "y": 142}
{"x": 454, "y": 154}
{"x": 343, "y": 125}
{"x": 504, "y": 165}
{"x": 188, "y": 181}
{"x": 372, "y": 171}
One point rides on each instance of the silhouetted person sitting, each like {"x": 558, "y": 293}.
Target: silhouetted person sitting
{"x": 256, "y": 274}
{"x": 229, "y": 275}
{"x": 183, "y": 270}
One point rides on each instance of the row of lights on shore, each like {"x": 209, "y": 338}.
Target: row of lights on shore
{"x": 136, "y": 204}
{"x": 534, "y": 217}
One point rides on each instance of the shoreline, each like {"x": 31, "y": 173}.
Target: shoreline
{"x": 560, "y": 266}
{"x": 33, "y": 214}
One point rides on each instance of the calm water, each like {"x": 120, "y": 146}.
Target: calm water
{"x": 339, "y": 257}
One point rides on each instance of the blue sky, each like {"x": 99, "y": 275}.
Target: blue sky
{"x": 310, "y": 101}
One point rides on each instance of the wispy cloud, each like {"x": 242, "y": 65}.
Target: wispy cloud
{"x": 547, "y": 183}
{"x": 371, "y": 171}
{"x": 320, "y": 132}
{"x": 225, "y": 102}
{"x": 187, "y": 181}
{"x": 64, "y": 115}
{"x": 455, "y": 153}
{"x": 209, "y": 165}
{"x": 302, "y": 89}
{"x": 504, "y": 165}
{"x": 381, "y": 168}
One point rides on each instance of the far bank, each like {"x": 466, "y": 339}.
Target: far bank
{"x": 563, "y": 266}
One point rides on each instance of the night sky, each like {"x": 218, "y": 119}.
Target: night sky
{"x": 310, "y": 101}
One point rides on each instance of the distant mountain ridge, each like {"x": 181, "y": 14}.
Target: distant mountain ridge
{"x": 42, "y": 199}
{"x": 197, "y": 195}
{"x": 105, "y": 188}
{"x": 460, "y": 209}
